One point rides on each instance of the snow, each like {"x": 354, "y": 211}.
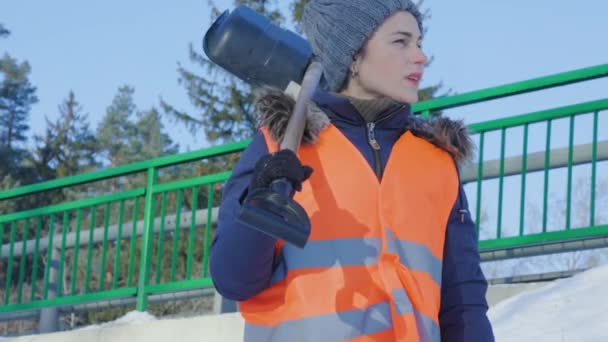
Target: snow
{"x": 131, "y": 317}
{"x": 573, "y": 309}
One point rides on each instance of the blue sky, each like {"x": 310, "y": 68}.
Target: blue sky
{"x": 94, "y": 47}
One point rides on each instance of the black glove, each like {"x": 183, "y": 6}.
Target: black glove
{"x": 282, "y": 164}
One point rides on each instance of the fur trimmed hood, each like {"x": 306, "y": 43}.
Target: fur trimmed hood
{"x": 275, "y": 108}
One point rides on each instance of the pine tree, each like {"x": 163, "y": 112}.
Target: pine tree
{"x": 126, "y": 135}
{"x": 17, "y": 95}
{"x": 68, "y": 146}
{"x": 116, "y": 129}
{"x": 151, "y": 141}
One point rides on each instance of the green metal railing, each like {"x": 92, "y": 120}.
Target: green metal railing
{"x": 524, "y": 121}
{"x": 85, "y": 226}
{"x": 599, "y": 152}
{"x": 155, "y": 238}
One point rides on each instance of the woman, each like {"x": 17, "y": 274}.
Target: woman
{"x": 392, "y": 254}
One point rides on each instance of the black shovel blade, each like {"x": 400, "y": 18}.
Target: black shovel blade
{"x": 276, "y": 215}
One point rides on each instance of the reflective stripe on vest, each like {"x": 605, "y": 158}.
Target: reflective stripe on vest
{"x": 372, "y": 267}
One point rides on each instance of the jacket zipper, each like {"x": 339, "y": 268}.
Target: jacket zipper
{"x": 373, "y": 143}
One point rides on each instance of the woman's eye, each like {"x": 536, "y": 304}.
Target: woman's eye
{"x": 400, "y": 41}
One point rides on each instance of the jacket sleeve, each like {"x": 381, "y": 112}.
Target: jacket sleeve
{"x": 462, "y": 316}
{"x": 241, "y": 257}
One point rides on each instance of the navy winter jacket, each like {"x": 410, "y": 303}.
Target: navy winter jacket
{"x": 242, "y": 258}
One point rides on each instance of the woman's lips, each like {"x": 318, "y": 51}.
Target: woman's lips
{"x": 414, "y": 77}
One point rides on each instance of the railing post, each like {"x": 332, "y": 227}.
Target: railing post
{"x": 223, "y": 305}
{"x": 49, "y": 317}
{"x": 146, "y": 243}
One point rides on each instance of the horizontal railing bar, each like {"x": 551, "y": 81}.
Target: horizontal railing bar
{"x": 192, "y": 182}
{"x": 84, "y": 203}
{"x": 58, "y": 301}
{"x": 180, "y": 286}
{"x": 125, "y": 169}
{"x": 540, "y": 116}
{"x": 493, "y": 93}
{"x": 545, "y": 249}
{"x": 543, "y": 238}
{"x": 583, "y": 154}
{"x": 200, "y": 220}
{"x": 19, "y": 315}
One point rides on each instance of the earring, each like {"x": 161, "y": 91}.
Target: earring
{"x": 354, "y": 73}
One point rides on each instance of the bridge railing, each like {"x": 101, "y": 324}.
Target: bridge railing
{"x": 155, "y": 238}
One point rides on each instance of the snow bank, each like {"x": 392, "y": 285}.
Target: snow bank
{"x": 573, "y": 309}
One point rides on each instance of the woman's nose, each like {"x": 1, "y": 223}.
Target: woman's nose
{"x": 418, "y": 56}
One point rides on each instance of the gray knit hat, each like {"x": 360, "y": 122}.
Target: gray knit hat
{"x": 337, "y": 30}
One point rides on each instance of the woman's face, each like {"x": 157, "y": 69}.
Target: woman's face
{"x": 392, "y": 62}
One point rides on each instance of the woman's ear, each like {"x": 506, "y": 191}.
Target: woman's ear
{"x": 353, "y": 73}
{"x": 354, "y": 67}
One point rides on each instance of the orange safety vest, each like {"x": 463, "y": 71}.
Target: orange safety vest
{"x": 371, "y": 270}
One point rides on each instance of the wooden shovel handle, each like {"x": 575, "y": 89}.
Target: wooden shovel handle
{"x": 297, "y": 122}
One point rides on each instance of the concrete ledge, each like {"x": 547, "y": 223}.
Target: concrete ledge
{"x": 225, "y": 327}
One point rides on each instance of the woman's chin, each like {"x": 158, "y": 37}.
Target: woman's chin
{"x": 406, "y": 98}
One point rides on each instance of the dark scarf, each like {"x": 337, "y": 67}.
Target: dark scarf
{"x": 370, "y": 109}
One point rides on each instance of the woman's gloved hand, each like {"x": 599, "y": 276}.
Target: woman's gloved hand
{"x": 282, "y": 164}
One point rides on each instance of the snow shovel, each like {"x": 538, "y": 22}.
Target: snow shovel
{"x": 249, "y": 46}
